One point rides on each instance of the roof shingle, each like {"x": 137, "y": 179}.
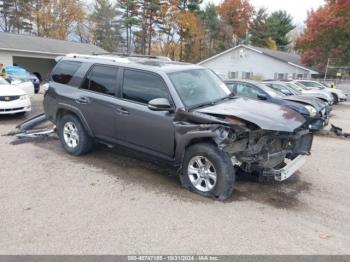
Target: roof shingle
{"x": 45, "y": 45}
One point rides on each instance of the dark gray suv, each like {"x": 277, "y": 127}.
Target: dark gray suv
{"x": 178, "y": 112}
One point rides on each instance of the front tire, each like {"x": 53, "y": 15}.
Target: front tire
{"x": 73, "y": 136}
{"x": 208, "y": 171}
{"x": 335, "y": 99}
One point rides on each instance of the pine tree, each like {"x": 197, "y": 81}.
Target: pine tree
{"x": 258, "y": 29}
{"x": 106, "y": 26}
{"x": 130, "y": 19}
{"x": 278, "y": 25}
{"x": 211, "y": 24}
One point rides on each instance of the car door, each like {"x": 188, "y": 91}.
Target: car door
{"x": 139, "y": 126}
{"x": 97, "y": 100}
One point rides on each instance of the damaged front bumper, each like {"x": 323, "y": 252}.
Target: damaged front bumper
{"x": 287, "y": 171}
{"x": 274, "y": 155}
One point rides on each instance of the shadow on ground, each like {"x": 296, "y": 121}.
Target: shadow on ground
{"x": 132, "y": 168}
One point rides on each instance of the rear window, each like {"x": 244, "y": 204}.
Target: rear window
{"x": 64, "y": 71}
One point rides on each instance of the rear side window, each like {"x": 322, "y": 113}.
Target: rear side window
{"x": 101, "y": 79}
{"x": 142, "y": 87}
{"x": 64, "y": 71}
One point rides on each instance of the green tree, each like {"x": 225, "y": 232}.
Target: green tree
{"x": 189, "y": 5}
{"x": 106, "y": 26}
{"x": 14, "y": 16}
{"x": 258, "y": 29}
{"x": 211, "y": 24}
{"x": 278, "y": 25}
{"x": 130, "y": 19}
{"x": 6, "y": 9}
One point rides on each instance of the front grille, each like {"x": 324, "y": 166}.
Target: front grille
{"x": 8, "y": 98}
{"x": 11, "y": 109}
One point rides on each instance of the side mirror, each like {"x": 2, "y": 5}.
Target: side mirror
{"x": 262, "y": 97}
{"x": 160, "y": 104}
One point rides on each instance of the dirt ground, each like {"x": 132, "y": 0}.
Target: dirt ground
{"x": 114, "y": 202}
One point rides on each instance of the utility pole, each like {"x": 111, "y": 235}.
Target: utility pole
{"x": 325, "y": 75}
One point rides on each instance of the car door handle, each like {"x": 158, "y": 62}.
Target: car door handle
{"x": 122, "y": 111}
{"x": 83, "y": 100}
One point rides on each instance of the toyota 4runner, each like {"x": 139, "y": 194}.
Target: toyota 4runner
{"x": 178, "y": 112}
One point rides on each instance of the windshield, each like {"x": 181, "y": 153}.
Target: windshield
{"x": 312, "y": 84}
{"x": 20, "y": 75}
{"x": 3, "y": 81}
{"x": 270, "y": 91}
{"x": 198, "y": 87}
{"x": 303, "y": 86}
{"x": 280, "y": 89}
{"x": 296, "y": 88}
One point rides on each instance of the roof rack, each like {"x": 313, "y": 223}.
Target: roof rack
{"x": 125, "y": 54}
{"x": 109, "y": 58}
{"x": 134, "y": 55}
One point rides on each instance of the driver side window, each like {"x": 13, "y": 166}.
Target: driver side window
{"x": 142, "y": 87}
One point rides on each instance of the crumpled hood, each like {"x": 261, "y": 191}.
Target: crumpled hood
{"x": 265, "y": 115}
{"x": 10, "y": 90}
{"x": 307, "y": 100}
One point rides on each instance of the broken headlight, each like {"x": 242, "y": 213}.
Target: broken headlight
{"x": 312, "y": 111}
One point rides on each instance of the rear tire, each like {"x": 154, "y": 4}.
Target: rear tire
{"x": 208, "y": 171}
{"x": 73, "y": 135}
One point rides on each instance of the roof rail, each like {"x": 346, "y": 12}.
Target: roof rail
{"x": 109, "y": 58}
{"x": 126, "y": 55}
{"x": 134, "y": 55}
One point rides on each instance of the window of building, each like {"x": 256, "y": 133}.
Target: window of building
{"x": 232, "y": 75}
{"x": 247, "y": 75}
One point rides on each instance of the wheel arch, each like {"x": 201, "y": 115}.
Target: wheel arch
{"x": 335, "y": 97}
{"x": 186, "y": 140}
{"x": 67, "y": 109}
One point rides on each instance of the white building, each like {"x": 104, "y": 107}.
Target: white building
{"x": 37, "y": 54}
{"x": 249, "y": 62}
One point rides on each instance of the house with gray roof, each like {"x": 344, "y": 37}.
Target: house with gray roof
{"x": 37, "y": 54}
{"x": 249, "y": 62}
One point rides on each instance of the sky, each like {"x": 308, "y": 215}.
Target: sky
{"x": 296, "y": 8}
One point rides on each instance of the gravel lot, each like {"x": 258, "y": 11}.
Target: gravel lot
{"x": 113, "y": 202}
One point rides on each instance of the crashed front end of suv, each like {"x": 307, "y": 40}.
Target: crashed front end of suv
{"x": 265, "y": 140}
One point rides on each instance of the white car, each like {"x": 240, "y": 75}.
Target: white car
{"x": 26, "y": 86}
{"x": 12, "y": 99}
{"x": 321, "y": 94}
{"x": 338, "y": 95}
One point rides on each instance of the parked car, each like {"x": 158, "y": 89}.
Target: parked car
{"x": 177, "y": 112}
{"x": 299, "y": 89}
{"x": 310, "y": 90}
{"x": 16, "y": 73}
{"x": 338, "y": 95}
{"x": 314, "y": 111}
{"x": 13, "y": 100}
{"x": 285, "y": 90}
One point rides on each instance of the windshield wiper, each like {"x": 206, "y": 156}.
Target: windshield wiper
{"x": 211, "y": 103}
